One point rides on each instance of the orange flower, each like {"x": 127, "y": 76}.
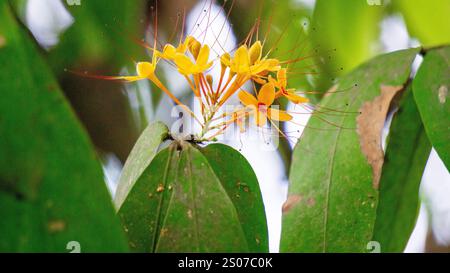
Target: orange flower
{"x": 249, "y": 62}
{"x": 187, "y": 67}
{"x": 169, "y": 52}
{"x": 280, "y": 83}
{"x": 260, "y": 106}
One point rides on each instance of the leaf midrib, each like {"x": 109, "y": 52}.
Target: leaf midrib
{"x": 158, "y": 214}
{"x": 327, "y": 200}
{"x": 194, "y": 203}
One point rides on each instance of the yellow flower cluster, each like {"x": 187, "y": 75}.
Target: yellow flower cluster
{"x": 192, "y": 60}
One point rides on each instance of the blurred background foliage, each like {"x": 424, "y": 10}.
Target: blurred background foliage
{"x": 428, "y": 21}
{"x": 333, "y": 37}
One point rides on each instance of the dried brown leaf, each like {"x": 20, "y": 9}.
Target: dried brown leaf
{"x": 370, "y": 125}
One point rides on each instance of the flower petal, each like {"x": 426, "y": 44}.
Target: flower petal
{"x": 273, "y": 65}
{"x": 282, "y": 78}
{"x": 189, "y": 40}
{"x": 241, "y": 60}
{"x": 225, "y": 60}
{"x": 255, "y": 52}
{"x": 201, "y": 69}
{"x": 203, "y": 55}
{"x": 194, "y": 47}
{"x": 145, "y": 69}
{"x": 247, "y": 99}
{"x": 259, "y": 80}
{"x": 169, "y": 52}
{"x": 266, "y": 94}
{"x": 182, "y": 48}
{"x": 295, "y": 98}
{"x": 183, "y": 63}
{"x": 279, "y": 115}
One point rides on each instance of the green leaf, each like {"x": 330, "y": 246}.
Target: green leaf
{"x": 179, "y": 205}
{"x": 406, "y": 156}
{"x": 431, "y": 91}
{"x": 51, "y": 183}
{"x": 344, "y": 33}
{"x": 140, "y": 157}
{"x": 427, "y": 20}
{"x": 332, "y": 197}
{"x": 241, "y": 184}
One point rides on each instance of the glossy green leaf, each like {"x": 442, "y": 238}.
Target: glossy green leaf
{"x": 179, "y": 205}
{"x": 51, "y": 183}
{"x": 344, "y": 33}
{"x": 406, "y": 156}
{"x": 427, "y": 20}
{"x": 431, "y": 91}
{"x": 332, "y": 196}
{"x": 140, "y": 157}
{"x": 241, "y": 184}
